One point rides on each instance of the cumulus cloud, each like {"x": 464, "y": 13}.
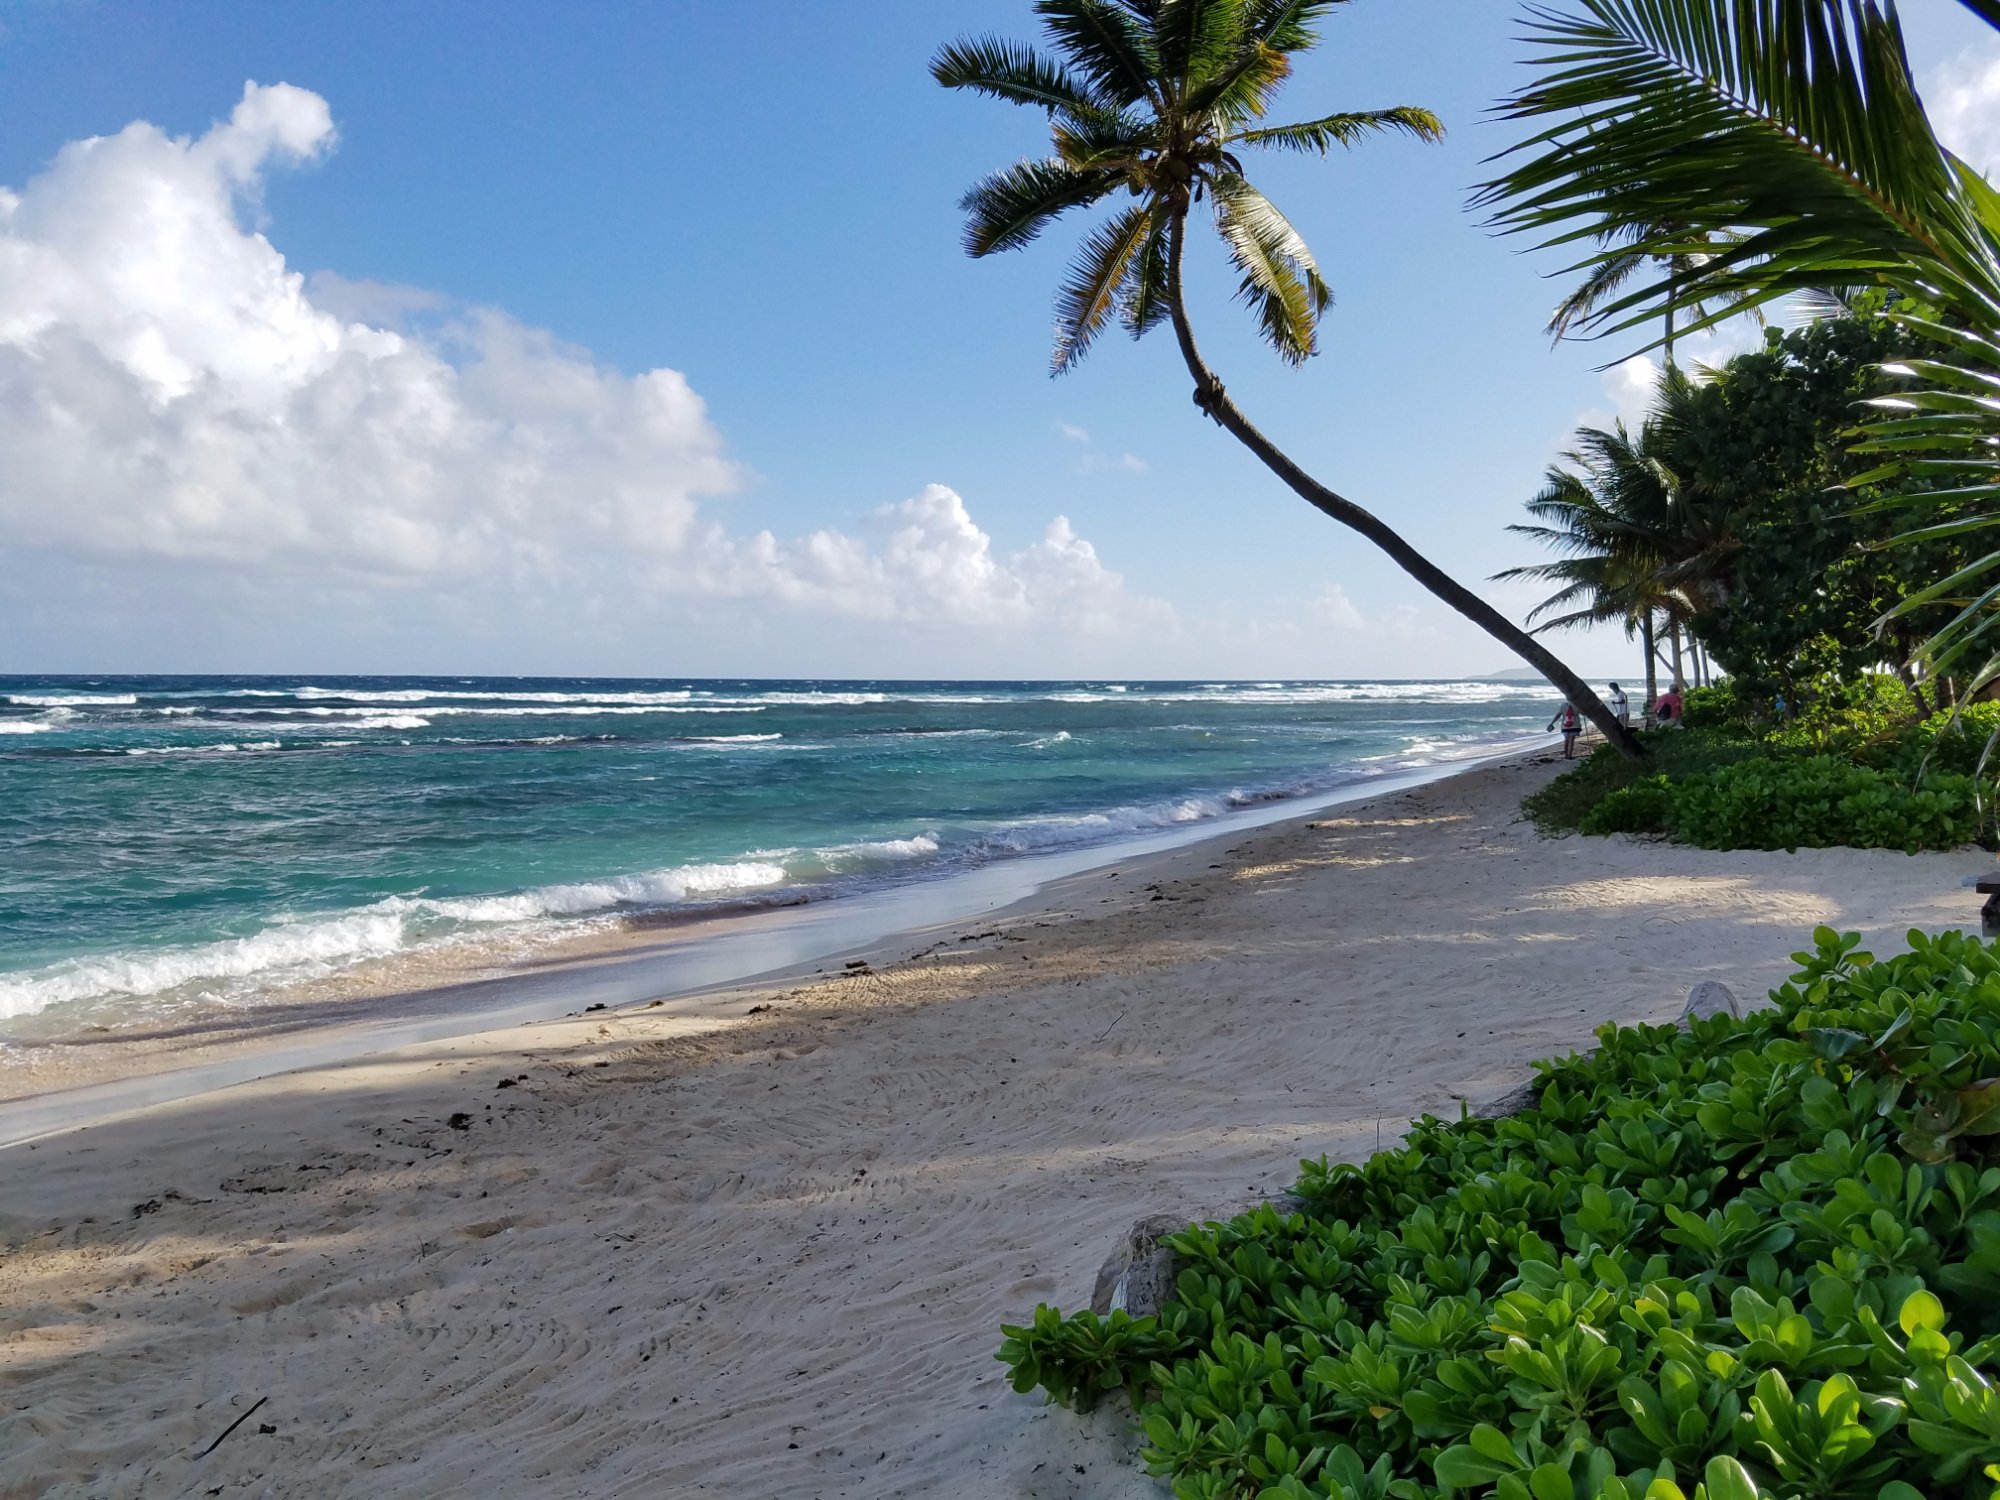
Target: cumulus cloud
{"x": 1962, "y": 98}
{"x": 925, "y": 561}
{"x": 172, "y": 392}
{"x": 1331, "y": 606}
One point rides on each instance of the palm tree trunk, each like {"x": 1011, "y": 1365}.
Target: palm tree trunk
{"x": 1210, "y": 396}
{"x": 1652, "y": 662}
{"x": 1674, "y": 640}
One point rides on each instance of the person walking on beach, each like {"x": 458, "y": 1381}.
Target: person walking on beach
{"x": 1572, "y": 726}
{"x": 1621, "y": 706}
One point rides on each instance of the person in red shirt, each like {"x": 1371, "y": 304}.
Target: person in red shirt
{"x": 1572, "y": 726}
{"x": 1669, "y": 709}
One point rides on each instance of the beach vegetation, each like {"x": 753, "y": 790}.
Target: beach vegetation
{"x": 1861, "y": 765}
{"x": 1739, "y": 1258}
{"x": 1156, "y": 109}
{"x": 1638, "y": 549}
{"x": 1562, "y": 805}
{"x": 1751, "y": 150}
{"x": 1736, "y": 521}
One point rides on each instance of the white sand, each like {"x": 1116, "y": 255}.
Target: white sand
{"x": 767, "y": 1255}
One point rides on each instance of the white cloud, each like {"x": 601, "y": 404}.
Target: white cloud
{"x": 1098, "y": 463}
{"x": 1631, "y": 385}
{"x": 1073, "y": 432}
{"x": 925, "y": 561}
{"x": 173, "y": 393}
{"x": 1962, "y": 98}
{"x": 1332, "y": 607}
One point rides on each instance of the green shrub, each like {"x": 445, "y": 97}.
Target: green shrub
{"x": 1874, "y": 709}
{"x": 1646, "y": 806}
{"x": 1713, "y": 707}
{"x": 1755, "y": 1258}
{"x": 1561, "y": 806}
{"x": 1822, "y": 800}
{"x": 1955, "y": 744}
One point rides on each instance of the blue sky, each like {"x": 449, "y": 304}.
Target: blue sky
{"x": 759, "y": 196}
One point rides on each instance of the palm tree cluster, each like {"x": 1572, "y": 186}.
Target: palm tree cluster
{"x": 1152, "y": 108}
{"x": 1639, "y": 549}
{"x": 1753, "y": 149}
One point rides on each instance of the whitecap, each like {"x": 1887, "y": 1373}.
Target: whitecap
{"x": 72, "y": 700}
{"x": 293, "y": 950}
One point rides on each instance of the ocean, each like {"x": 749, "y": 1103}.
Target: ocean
{"x": 175, "y": 844}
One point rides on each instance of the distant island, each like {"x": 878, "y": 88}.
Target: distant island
{"x": 1513, "y": 674}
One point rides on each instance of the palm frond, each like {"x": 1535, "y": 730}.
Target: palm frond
{"x": 1271, "y": 31}
{"x": 1322, "y": 135}
{"x": 1108, "y": 43}
{"x": 1795, "y": 123}
{"x": 1281, "y": 280}
{"x": 1147, "y": 295}
{"x": 1196, "y": 41}
{"x": 1288, "y": 25}
{"x": 1089, "y": 296}
{"x": 1009, "y": 208}
{"x": 1015, "y": 72}
{"x": 1112, "y": 142}
{"x": 1605, "y": 277}
{"x": 1987, "y": 11}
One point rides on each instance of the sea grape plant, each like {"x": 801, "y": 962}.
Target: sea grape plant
{"x": 1738, "y": 1259}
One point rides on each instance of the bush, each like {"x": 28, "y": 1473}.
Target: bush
{"x": 1760, "y": 1254}
{"x": 1874, "y": 709}
{"x": 1646, "y": 806}
{"x": 1560, "y": 807}
{"x": 1821, "y": 800}
{"x": 1952, "y": 743}
{"x": 1714, "y": 707}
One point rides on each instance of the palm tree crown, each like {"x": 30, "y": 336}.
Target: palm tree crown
{"x": 1635, "y": 538}
{"x": 1157, "y": 99}
{"x": 1608, "y": 514}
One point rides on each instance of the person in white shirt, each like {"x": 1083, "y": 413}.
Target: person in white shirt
{"x": 1621, "y": 705}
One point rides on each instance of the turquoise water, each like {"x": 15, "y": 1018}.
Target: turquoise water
{"x": 176, "y": 841}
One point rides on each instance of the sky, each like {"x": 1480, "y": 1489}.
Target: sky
{"x": 626, "y": 339}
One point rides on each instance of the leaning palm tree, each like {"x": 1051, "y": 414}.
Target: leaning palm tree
{"x": 1153, "y": 105}
{"x": 1795, "y": 125}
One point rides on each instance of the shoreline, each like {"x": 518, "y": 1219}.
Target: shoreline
{"x": 677, "y": 959}
{"x": 767, "y": 1250}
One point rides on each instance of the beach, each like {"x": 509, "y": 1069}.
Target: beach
{"x": 766, "y": 1248}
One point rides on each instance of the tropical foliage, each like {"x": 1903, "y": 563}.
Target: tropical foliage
{"x": 1662, "y": 126}
{"x": 1859, "y": 767}
{"x": 1638, "y": 547}
{"x": 1154, "y": 108}
{"x": 1740, "y": 515}
{"x": 1747, "y": 1258}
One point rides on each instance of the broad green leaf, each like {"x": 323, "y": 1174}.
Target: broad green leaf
{"x": 1726, "y": 1479}
{"x": 1921, "y": 1310}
